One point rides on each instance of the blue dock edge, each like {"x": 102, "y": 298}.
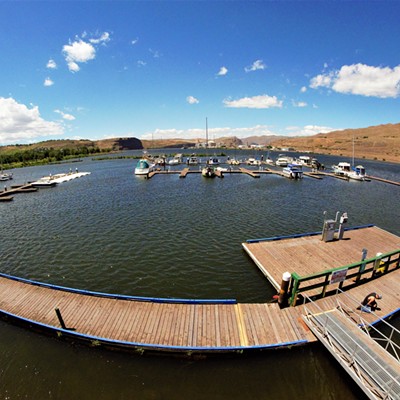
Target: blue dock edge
{"x": 120, "y": 296}
{"x": 298, "y": 235}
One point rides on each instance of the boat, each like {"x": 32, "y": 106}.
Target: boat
{"x": 233, "y": 161}
{"x": 342, "y": 169}
{"x": 304, "y": 160}
{"x": 192, "y": 160}
{"x": 159, "y": 160}
{"x": 253, "y": 161}
{"x": 283, "y": 160}
{"x": 293, "y": 171}
{"x": 6, "y": 176}
{"x": 176, "y": 160}
{"x": 213, "y": 161}
{"x": 269, "y": 161}
{"x": 143, "y": 167}
{"x": 357, "y": 173}
{"x": 208, "y": 171}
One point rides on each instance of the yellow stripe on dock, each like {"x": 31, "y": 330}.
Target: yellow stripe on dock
{"x": 244, "y": 341}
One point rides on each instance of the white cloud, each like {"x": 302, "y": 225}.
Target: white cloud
{"x": 299, "y": 104}
{"x": 78, "y": 52}
{"x": 257, "y": 65}
{"x": 141, "y": 63}
{"x": 192, "y": 100}
{"x": 20, "y": 123}
{"x": 222, "y": 71}
{"x": 48, "y": 82}
{"x": 308, "y": 130}
{"x": 303, "y": 89}
{"x": 51, "y": 64}
{"x": 82, "y": 51}
{"x": 361, "y": 79}
{"x": 102, "y": 39}
{"x": 263, "y": 101}
{"x": 68, "y": 117}
{"x": 134, "y": 41}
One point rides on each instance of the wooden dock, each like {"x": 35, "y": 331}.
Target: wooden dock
{"x": 307, "y": 254}
{"x": 195, "y": 326}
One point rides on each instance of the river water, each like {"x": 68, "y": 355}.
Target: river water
{"x": 115, "y": 232}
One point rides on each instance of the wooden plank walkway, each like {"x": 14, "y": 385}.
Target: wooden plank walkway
{"x": 308, "y": 255}
{"x": 177, "y": 327}
{"x": 197, "y": 326}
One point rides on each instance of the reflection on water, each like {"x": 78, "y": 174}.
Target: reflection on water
{"x": 169, "y": 237}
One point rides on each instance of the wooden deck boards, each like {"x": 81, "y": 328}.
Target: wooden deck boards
{"x": 309, "y": 254}
{"x": 204, "y": 326}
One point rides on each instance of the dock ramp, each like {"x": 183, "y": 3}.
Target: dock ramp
{"x": 374, "y": 367}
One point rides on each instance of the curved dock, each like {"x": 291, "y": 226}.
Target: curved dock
{"x": 192, "y": 326}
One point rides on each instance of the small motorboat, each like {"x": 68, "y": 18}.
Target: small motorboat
{"x": 208, "y": 172}
{"x": 143, "y": 167}
{"x": 6, "y": 176}
{"x": 357, "y": 173}
{"x": 293, "y": 171}
{"x": 192, "y": 160}
{"x": 253, "y": 161}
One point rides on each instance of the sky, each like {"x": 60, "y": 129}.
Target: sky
{"x": 159, "y": 69}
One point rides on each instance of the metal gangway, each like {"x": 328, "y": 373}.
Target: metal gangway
{"x": 370, "y": 357}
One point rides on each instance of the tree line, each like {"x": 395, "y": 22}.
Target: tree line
{"x": 25, "y": 157}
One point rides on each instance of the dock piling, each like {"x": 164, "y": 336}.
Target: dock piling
{"x": 62, "y": 323}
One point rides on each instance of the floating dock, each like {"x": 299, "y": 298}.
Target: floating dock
{"x": 191, "y": 326}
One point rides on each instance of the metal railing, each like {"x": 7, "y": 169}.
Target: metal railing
{"x": 357, "y": 356}
{"x": 347, "y": 276}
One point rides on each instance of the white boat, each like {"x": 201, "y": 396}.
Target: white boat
{"x": 304, "y": 160}
{"x": 6, "y": 176}
{"x": 269, "y": 161}
{"x": 342, "y": 169}
{"x": 213, "y": 161}
{"x": 253, "y": 161}
{"x": 208, "y": 172}
{"x": 283, "y": 161}
{"x": 176, "y": 160}
{"x": 143, "y": 167}
{"x": 192, "y": 160}
{"x": 293, "y": 171}
{"x": 159, "y": 160}
{"x": 357, "y": 173}
{"x": 233, "y": 161}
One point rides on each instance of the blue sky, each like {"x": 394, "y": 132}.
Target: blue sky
{"x": 93, "y": 70}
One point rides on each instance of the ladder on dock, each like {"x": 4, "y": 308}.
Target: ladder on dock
{"x": 372, "y": 367}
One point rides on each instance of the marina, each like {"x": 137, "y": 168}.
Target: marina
{"x": 197, "y": 258}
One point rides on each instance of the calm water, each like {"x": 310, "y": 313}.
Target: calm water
{"x": 169, "y": 237}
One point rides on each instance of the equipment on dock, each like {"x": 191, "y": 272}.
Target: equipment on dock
{"x": 328, "y": 230}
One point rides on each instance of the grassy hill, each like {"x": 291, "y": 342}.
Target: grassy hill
{"x": 380, "y": 142}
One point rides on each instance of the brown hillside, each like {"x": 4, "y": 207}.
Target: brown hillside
{"x": 380, "y": 142}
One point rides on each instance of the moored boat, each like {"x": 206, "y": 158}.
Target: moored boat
{"x": 357, "y": 173}
{"x": 342, "y": 169}
{"x": 208, "y": 172}
{"x": 4, "y": 176}
{"x": 192, "y": 160}
{"x": 283, "y": 160}
{"x": 293, "y": 171}
{"x": 143, "y": 167}
{"x": 253, "y": 161}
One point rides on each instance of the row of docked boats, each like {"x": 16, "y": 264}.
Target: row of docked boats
{"x": 345, "y": 169}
